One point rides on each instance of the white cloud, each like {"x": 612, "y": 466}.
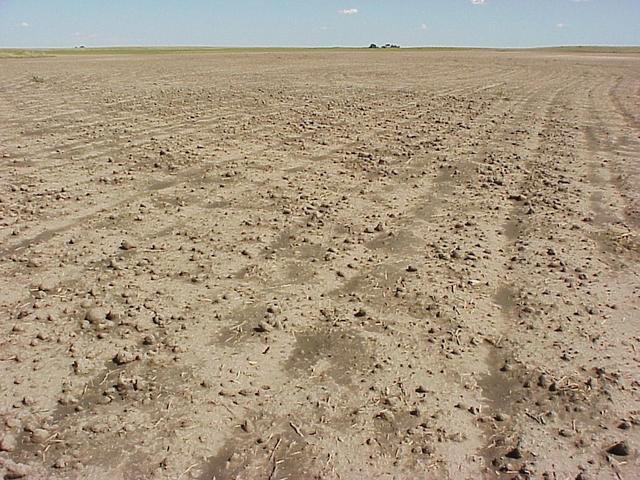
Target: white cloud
{"x": 479, "y": 2}
{"x": 561, "y": 25}
{"x": 424, "y": 27}
{"x": 348, "y": 11}
{"x": 24, "y": 25}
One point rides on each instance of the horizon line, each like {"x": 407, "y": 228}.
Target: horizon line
{"x": 321, "y": 47}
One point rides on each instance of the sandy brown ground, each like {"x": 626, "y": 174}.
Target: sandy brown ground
{"x": 334, "y": 265}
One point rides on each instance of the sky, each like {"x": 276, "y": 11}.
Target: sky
{"x": 478, "y": 23}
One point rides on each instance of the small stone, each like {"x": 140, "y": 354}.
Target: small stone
{"x": 412, "y": 269}
{"x": 620, "y": 449}
{"x": 361, "y": 313}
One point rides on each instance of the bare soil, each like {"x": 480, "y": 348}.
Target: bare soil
{"x": 332, "y": 265}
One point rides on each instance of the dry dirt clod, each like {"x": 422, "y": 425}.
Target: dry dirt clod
{"x": 248, "y": 426}
{"x": 361, "y": 313}
{"x": 515, "y": 453}
{"x": 95, "y": 316}
{"x": 544, "y": 381}
{"x": 48, "y": 285}
{"x": 15, "y": 470}
{"x": 263, "y": 327}
{"x": 518, "y": 197}
{"x": 566, "y": 433}
{"x": 127, "y": 245}
{"x": 123, "y": 357}
{"x": 624, "y": 425}
{"x": 386, "y": 415}
{"x": 39, "y": 435}
{"x": 8, "y": 443}
{"x": 620, "y": 449}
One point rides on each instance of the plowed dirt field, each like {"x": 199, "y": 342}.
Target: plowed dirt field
{"x": 320, "y": 264}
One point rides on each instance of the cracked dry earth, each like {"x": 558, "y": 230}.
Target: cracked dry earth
{"x": 332, "y": 265}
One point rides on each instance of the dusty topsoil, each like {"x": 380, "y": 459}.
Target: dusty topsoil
{"x": 332, "y": 265}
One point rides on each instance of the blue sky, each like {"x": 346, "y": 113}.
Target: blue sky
{"x": 488, "y": 23}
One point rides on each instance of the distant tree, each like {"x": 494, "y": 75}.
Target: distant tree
{"x": 373, "y": 45}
